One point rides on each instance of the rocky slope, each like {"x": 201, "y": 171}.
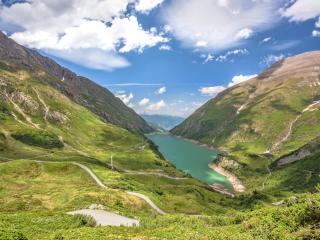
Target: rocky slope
{"x": 270, "y": 115}
{"x": 79, "y": 89}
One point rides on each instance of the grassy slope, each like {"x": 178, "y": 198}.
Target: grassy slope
{"x": 47, "y": 191}
{"x": 89, "y": 140}
{"x": 271, "y": 102}
{"x": 80, "y": 89}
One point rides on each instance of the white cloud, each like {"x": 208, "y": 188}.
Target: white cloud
{"x": 162, "y": 90}
{"x": 317, "y": 24}
{"x": 125, "y": 98}
{"x": 211, "y": 91}
{"x": 165, "y": 47}
{"x": 244, "y": 33}
{"x": 267, "y": 39}
{"x": 156, "y": 106}
{"x": 145, "y": 6}
{"x": 225, "y": 57}
{"x": 92, "y": 58}
{"x": 315, "y": 33}
{"x": 208, "y": 58}
{"x": 285, "y": 45}
{"x": 302, "y": 10}
{"x": 97, "y": 27}
{"x": 219, "y": 24}
{"x": 271, "y": 59}
{"x": 240, "y": 78}
{"x": 144, "y": 101}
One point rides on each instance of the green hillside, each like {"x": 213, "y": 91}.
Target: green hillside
{"x": 263, "y": 119}
{"x": 35, "y": 197}
{"x": 40, "y": 123}
{"x": 80, "y": 89}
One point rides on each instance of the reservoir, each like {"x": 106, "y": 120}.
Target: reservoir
{"x": 190, "y": 158}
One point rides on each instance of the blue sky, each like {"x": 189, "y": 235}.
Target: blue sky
{"x": 165, "y": 56}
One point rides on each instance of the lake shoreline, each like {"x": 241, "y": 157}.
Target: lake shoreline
{"x": 186, "y": 139}
{"x": 214, "y": 166}
{"x": 235, "y": 182}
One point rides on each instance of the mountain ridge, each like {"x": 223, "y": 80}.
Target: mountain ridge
{"x": 80, "y": 89}
{"x": 262, "y": 120}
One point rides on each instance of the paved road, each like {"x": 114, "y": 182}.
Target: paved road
{"x": 104, "y": 218}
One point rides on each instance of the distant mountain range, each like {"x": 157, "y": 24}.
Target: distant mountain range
{"x": 162, "y": 122}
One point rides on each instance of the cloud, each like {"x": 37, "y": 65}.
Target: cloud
{"x": 208, "y": 58}
{"x": 125, "y": 98}
{"x": 97, "y": 28}
{"x": 267, "y": 39}
{"x": 144, "y": 101}
{"x": 165, "y": 47}
{"x": 302, "y": 10}
{"x": 211, "y": 91}
{"x": 162, "y": 90}
{"x": 224, "y": 57}
{"x": 156, "y": 106}
{"x": 285, "y": 45}
{"x": 145, "y": 6}
{"x": 244, "y": 33}
{"x": 221, "y": 24}
{"x": 92, "y": 58}
{"x": 240, "y": 78}
{"x": 271, "y": 59}
{"x": 317, "y": 24}
{"x": 315, "y": 33}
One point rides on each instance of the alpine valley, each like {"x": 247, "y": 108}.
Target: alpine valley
{"x": 77, "y": 162}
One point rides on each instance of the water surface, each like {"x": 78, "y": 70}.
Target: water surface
{"x": 189, "y": 157}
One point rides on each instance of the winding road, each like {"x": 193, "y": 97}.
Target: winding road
{"x": 100, "y": 183}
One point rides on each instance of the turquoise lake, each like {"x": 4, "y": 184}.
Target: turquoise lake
{"x": 189, "y": 157}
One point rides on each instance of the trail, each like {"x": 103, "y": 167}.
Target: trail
{"x": 100, "y": 183}
{"x": 289, "y": 132}
{"x": 19, "y": 110}
{"x": 46, "y": 108}
{"x": 72, "y": 148}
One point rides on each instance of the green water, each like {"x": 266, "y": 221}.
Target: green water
{"x": 189, "y": 157}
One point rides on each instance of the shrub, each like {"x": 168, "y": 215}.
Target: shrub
{"x": 84, "y": 220}
{"x": 38, "y": 138}
{"x": 6, "y": 234}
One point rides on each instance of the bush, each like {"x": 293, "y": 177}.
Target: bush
{"x": 6, "y": 234}
{"x": 38, "y": 138}
{"x": 84, "y": 220}
{"x": 2, "y": 141}
{"x": 4, "y": 111}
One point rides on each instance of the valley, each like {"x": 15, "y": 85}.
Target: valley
{"x": 77, "y": 162}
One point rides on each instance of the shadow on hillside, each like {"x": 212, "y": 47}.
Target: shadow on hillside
{"x": 269, "y": 71}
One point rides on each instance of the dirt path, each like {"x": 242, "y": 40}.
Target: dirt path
{"x": 289, "y": 132}
{"x": 46, "y": 108}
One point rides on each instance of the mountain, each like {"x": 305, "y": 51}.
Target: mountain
{"x": 80, "y": 89}
{"x": 45, "y": 132}
{"x": 165, "y": 122}
{"x": 264, "y": 118}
